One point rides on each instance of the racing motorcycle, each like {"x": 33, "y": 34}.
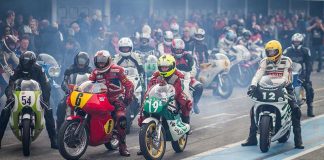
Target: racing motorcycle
{"x": 272, "y": 113}
{"x": 52, "y": 70}
{"x": 240, "y": 71}
{"x": 133, "y": 109}
{"x": 215, "y": 75}
{"x": 150, "y": 66}
{"x": 92, "y": 123}
{"x": 163, "y": 123}
{"x": 297, "y": 84}
{"x": 27, "y": 116}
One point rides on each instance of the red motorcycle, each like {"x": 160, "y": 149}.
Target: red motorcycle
{"x": 91, "y": 124}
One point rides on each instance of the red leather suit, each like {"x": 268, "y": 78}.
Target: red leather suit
{"x": 120, "y": 93}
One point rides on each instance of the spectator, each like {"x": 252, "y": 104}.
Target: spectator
{"x": 7, "y": 27}
{"x": 112, "y": 46}
{"x": 317, "y": 30}
{"x": 71, "y": 48}
{"x": 23, "y": 47}
{"x": 50, "y": 39}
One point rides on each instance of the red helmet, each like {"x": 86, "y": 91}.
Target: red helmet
{"x": 178, "y": 47}
{"x": 102, "y": 60}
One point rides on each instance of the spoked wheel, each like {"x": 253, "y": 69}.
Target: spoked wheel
{"x": 243, "y": 79}
{"x": 225, "y": 88}
{"x": 179, "y": 145}
{"x": 26, "y": 139}
{"x": 72, "y": 147}
{"x": 152, "y": 147}
{"x": 265, "y": 133}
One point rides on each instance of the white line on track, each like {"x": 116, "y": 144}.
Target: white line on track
{"x": 220, "y": 122}
{"x": 218, "y": 115}
{"x": 305, "y": 152}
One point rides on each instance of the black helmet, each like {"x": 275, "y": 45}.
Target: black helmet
{"x": 81, "y": 59}
{"x": 10, "y": 43}
{"x": 27, "y": 60}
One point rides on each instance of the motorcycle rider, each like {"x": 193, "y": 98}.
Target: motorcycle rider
{"x": 278, "y": 66}
{"x": 127, "y": 58}
{"x": 226, "y": 43}
{"x": 165, "y": 47}
{"x": 27, "y": 68}
{"x": 199, "y": 48}
{"x": 300, "y": 54}
{"x": 81, "y": 66}
{"x": 145, "y": 48}
{"x": 185, "y": 62}
{"x": 120, "y": 92}
{"x": 245, "y": 38}
{"x": 174, "y": 27}
{"x": 168, "y": 72}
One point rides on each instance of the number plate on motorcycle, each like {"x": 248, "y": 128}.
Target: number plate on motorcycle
{"x": 153, "y": 105}
{"x": 79, "y": 99}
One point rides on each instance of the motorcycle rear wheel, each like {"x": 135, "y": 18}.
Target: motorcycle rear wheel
{"x": 64, "y": 148}
{"x": 26, "y": 139}
{"x": 226, "y": 89}
{"x": 265, "y": 136}
{"x": 146, "y": 140}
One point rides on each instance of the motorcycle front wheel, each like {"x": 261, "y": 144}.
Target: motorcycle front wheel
{"x": 265, "y": 133}
{"x": 151, "y": 147}
{"x": 26, "y": 139}
{"x": 180, "y": 145}
{"x": 225, "y": 90}
{"x": 71, "y": 147}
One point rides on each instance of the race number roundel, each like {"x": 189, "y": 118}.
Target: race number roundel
{"x": 109, "y": 126}
{"x": 27, "y": 98}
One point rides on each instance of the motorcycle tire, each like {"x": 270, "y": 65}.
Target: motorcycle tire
{"x": 285, "y": 137}
{"x": 143, "y": 144}
{"x": 180, "y": 145}
{"x": 265, "y": 130}
{"x": 26, "y": 139}
{"x": 61, "y": 143}
{"x": 228, "y": 84}
{"x": 244, "y": 79}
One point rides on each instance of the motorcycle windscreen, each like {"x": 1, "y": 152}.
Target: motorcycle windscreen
{"x": 270, "y": 89}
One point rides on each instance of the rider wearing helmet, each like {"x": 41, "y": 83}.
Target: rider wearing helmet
{"x": 276, "y": 65}
{"x": 199, "y": 48}
{"x": 300, "y": 54}
{"x": 27, "y": 68}
{"x": 145, "y": 48}
{"x": 168, "y": 72}
{"x": 187, "y": 38}
{"x": 185, "y": 63}
{"x": 174, "y": 27}
{"x": 127, "y": 58}
{"x": 165, "y": 47}
{"x": 227, "y": 42}
{"x": 80, "y": 66}
{"x": 245, "y": 39}
{"x": 120, "y": 92}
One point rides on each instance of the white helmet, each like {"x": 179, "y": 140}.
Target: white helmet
{"x": 178, "y": 47}
{"x": 145, "y": 39}
{"x": 200, "y": 34}
{"x": 168, "y": 36}
{"x": 174, "y": 28}
{"x": 125, "y": 46}
{"x": 297, "y": 40}
{"x": 146, "y": 29}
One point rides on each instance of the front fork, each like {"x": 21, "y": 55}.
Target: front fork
{"x": 82, "y": 124}
{"x": 159, "y": 127}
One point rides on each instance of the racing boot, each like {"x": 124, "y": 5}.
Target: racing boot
{"x": 186, "y": 119}
{"x": 310, "y": 110}
{"x": 295, "y": 118}
{"x": 196, "y": 109}
{"x": 50, "y": 127}
{"x": 198, "y": 89}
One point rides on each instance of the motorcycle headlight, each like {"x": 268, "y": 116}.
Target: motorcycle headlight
{"x": 54, "y": 71}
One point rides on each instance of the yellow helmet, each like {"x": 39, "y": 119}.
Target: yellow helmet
{"x": 273, "y": 50}
{"x": 166, "y": 61}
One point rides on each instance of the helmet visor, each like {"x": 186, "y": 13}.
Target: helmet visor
{"x": 296, "y": 43}
{"x": 199, "y": 36}
{"x": 125, "y": 49}
{"x": 167, "y": 39}
{"x": 272, "y": 52}
{"x": 178, "y": 51}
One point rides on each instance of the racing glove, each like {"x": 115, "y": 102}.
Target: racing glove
{"x": 251, "y": 90}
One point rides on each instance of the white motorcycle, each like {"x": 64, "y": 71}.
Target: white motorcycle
{"x": 215, "y": 75}
{"x": 133, "y": 109}
{"x": 239, "y": 55}
{"x": 272, "y": 113}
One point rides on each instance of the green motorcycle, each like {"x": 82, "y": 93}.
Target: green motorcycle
{"x": 163, "y": 123}
{"x": 27, "y": 114}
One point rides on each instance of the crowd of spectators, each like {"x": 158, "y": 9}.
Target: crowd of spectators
{"x": 91, "y": 32}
